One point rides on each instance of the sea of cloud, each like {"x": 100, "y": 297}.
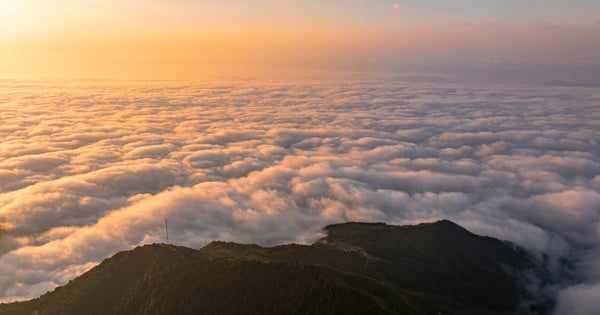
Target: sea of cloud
{"x": 87, "y": 170}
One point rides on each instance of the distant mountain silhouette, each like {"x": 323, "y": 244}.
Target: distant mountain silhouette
{"x": 571, "y": 83}
{"x": 358, "y": 268}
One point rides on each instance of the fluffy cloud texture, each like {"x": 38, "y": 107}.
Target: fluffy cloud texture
{"x": 86, "y": 171}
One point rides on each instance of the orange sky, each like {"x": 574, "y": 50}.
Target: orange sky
{"x": 181, "y": 40}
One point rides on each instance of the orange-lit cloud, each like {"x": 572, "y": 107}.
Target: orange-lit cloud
{"x": 90, "y": 169}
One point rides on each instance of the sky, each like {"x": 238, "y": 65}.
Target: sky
{"x": 490, "y": 40}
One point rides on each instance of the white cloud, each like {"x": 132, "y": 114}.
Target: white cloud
{"x": 88, "y": 171}
{"x": 579, "y": 300}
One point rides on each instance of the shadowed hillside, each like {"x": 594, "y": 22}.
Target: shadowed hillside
{"x": 358, "y": 268}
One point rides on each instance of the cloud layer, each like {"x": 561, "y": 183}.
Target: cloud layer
{"x": 86, "y": 171}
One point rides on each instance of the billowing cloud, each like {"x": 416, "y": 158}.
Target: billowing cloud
{"x": 579, "y": 300}
{"x": 86, "y": 171}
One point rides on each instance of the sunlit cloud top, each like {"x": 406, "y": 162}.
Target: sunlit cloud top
{"x": 89, "y": 170}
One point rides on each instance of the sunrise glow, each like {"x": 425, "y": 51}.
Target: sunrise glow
{"x": 274, "y": 39}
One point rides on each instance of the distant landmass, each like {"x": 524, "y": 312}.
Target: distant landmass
{"x": 571, "y": 83}
{"x": 358, "y": 268}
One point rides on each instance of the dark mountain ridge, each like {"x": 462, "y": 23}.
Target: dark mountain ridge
{"x": 358, "y": 268}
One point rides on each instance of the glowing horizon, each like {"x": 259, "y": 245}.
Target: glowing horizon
{"x": 275, "y": 39}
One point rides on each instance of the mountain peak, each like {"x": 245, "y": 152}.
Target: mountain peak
{"x": 361, "y": 230}
{"x": 373, "y": 268}
{"x": 382, "y": 225}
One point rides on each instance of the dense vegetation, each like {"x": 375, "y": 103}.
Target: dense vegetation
{"x": 359, "y": 268}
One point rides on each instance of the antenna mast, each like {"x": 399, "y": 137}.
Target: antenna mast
{"x": 167, "y": 230}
